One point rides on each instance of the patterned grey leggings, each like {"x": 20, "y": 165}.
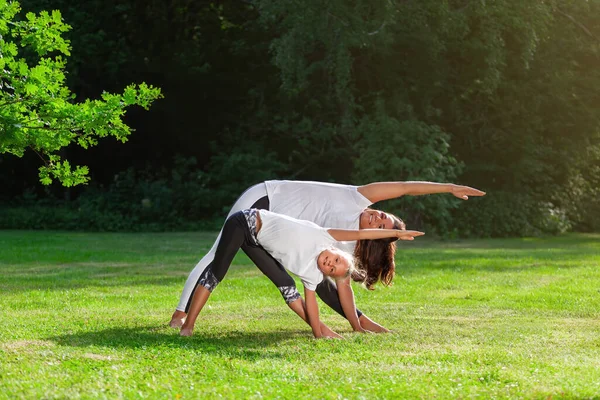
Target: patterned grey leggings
{"x": 238, "y": 232}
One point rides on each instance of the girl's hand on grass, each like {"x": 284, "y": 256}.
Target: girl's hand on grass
{"x": 334, "y": 336}
{"x": 330, "y": 335}
{"x": 368, "y": 332}
{"x": 186, "y": 332}
{"x": 327, "y": 332}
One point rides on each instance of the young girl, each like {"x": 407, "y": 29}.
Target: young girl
{"x": 331, "y": 205}
{"x": 306, "y": 249}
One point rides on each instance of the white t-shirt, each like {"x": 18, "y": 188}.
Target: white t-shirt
{"x": 329, "y": 205}
{"x": 296, "y": 244}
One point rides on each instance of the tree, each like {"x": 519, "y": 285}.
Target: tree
{"x": 507, "y": 88}
{"x": 37, "y": 111}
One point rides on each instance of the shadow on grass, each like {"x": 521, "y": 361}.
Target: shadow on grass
{"x": 245, "y": 345}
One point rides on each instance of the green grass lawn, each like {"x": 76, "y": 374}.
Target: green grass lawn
{"x": 85, "y": 315}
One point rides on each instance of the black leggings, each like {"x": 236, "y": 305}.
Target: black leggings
{"x": 236, "y": 234}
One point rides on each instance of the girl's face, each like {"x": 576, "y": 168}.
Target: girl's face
{"x": 374, "y": 219}
{"x": 333, "y": 264}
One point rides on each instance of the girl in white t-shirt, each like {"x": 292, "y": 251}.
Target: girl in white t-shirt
{"x": 329, "y": 205}
{"x": 306, "y": 249}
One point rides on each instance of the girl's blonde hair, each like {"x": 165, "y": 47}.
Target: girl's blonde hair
{"x": 351, "y": 264}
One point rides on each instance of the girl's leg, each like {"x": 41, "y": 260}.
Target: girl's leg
{"x": 328, "y": 293}
{"x": 274, "y": 271}
{"x": 284, "y": 282}
{"x": 255, "y": 195}
{"x": 235, "y": 234}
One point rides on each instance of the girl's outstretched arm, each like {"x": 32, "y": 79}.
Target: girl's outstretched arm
{"x": 379, "y": 191}
{"x": 312, "y": 312}
{"x": 346, "y": 235}
{"x": 347, "y": 300}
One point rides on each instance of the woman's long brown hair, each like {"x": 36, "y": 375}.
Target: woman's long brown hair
{"x": 375, "y": 259}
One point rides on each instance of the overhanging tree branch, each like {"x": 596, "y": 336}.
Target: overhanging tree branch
{"x": 378, "y": 30}
{"x": 579, "y": 24}
{"x": 39, "y": 155}
{"x": 8, "y": 103}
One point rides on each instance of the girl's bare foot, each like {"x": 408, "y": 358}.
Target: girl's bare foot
{"x": 177, "y": 319}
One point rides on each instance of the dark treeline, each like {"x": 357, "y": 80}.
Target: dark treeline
{"x": 500, "y": 95}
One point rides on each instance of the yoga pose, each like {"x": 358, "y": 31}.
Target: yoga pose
{"x": 306, "y": 248}
{"x": 328, "y": 205}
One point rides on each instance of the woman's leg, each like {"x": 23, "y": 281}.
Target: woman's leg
{"x": 328, "y": 293}
{"x": 235, "y": 234}
{"x": 256, "y": 194}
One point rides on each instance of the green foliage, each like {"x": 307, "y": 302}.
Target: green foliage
{"x": 509, "y": 214}
{"x": 581, "y": 200}
{"x": 137, "y": 200}
{"x": 500, "y": 95}
{"x": 230, "y": 174}
{"x": 510, "y": 86}
{"x": 409, "y": 150}
{"x": 36, "y": 107}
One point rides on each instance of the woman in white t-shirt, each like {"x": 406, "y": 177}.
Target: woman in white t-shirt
{"x": 328, "y": 205}
{"x": 306, "y": 249}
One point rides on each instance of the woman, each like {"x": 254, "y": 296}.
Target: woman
{"x": 334, "y": 206}
{"x": 306, "y": 248}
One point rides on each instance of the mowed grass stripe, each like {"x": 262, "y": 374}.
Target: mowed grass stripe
{"x": 84, "y": 316}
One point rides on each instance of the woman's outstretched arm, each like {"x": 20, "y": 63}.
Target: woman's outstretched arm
{"x": 347, "y": 235}
{"x": 379, "y": 191}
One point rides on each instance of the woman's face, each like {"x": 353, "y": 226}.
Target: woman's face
{"x": 375, "y": 219}
{"x": 333, "y": 264}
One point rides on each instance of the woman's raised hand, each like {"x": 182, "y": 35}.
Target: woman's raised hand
{"x": 463, "y": 192}
{"x": 408, "y": 235}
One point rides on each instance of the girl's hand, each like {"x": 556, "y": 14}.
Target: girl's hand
{"x": 328, "y": 333}
{"x": 331, "y": 335}
{"x": 408, "y": 235}
{"x": 362, "y": 330}
{"x": 463, "y": 192}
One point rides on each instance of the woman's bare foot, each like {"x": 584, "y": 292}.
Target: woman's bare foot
{"x": 177, "y": 319}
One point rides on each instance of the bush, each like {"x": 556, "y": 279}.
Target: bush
{"x": 408, "y": 150}
{"x": 503, "y": 214}
{"x": 144, "y": 200}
